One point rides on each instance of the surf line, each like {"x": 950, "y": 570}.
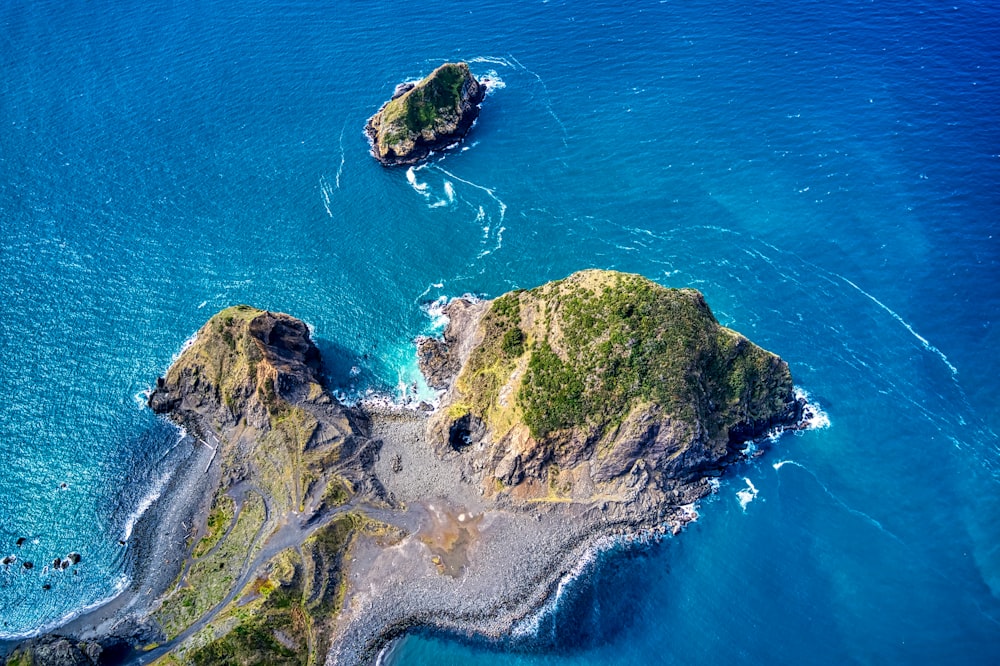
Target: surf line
{"x": 927, "y": 345}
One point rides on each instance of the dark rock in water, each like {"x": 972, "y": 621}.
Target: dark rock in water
{"x": 74, "y": 558}
{"x": 29, "y": 565}
{"x": 64, "y": 564}
{"x": 56, "y": 563}
{"x": 46, "y": 587}
{"x": 425, "y": 116}
{"x": 20, "y": 541}
{"x": 403, "y": 88}
{"x": 8, "y": 560}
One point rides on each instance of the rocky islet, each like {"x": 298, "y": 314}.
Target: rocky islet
{"x": 426, "y": 116}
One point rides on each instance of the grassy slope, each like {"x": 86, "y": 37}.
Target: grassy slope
{"x": 286, "y": 615}
{"x": 228, "y": 364}
{"x": 582, "y": 352}
{"x": 419, "y": 108}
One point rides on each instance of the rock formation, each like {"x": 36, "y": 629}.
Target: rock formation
{"x": 425, "y": 116}
{"x": 600, "y": 387}
{"x": 597, "y": 405}
{"x": 278, "y": 523}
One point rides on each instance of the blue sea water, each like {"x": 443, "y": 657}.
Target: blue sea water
{"x": 828, "y": 174}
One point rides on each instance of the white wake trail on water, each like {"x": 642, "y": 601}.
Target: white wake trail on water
{"x": 547, "y": 100}
{"x": 927, "y": 345}
{"x": 492, "y": 193}
{"x": 326, "y": 189}
{"x": 861, "y": 514}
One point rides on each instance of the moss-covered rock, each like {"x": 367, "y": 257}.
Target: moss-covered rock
{"x": 604, "y": 383}
{"x": 425, "y": 116}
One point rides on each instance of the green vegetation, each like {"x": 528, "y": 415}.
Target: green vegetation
{"x": 423, "y": 106}
{"x": 492, "y": 362}
{"x": 599, "y": 343}
{"x": 210, "y": 577}
{"x": 286, "y": 615}
{"x": 220, "y": 517}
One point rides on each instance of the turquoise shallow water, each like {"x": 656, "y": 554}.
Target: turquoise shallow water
{"x": 826, "y": 174}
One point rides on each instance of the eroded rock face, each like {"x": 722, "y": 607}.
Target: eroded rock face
{"x": 425, "y": 116}
{"x": 603, "y": 385}
{"x": 56, "y": 650}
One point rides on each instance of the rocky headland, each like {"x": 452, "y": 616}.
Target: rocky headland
{"x": 426, "y": 116}
{"x": 593, "y": 407}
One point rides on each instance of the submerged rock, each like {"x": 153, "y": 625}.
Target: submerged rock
{"x": 425, "y": 116}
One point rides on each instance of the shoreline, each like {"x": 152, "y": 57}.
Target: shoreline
{"x": 157, "y": 547}
{"x": 487, "y": 600}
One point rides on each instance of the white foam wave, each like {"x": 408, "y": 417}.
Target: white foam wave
{"x": 435, "y": 310}
{"x": 531, "y": 624}
{"x": 147, "y": 501}
{"x": 411, "y": 178}
{"x": 121, "y": 583}
{"x": 492, "y": 81}
{"x": 927, "y": 345}
{"x": 813, "y": 416}
{"x": 746, "y": 495}
{"x": 449, "y": 191}
{"x": 141, "y": 398}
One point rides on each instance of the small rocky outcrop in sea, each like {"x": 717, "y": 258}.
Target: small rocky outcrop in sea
{"x": 428, "y": 115}
{"x": 603, "y": 385}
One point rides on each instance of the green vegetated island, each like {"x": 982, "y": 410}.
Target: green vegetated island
{"x": 425, "y": 116}
{"x": 302, "y": 531}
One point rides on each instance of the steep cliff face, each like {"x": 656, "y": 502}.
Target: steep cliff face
{"x": 428, "y": 115}
{"x": 603, "y": 387}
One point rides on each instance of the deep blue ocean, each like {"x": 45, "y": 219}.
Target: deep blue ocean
{"x": 827, "y": 173}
